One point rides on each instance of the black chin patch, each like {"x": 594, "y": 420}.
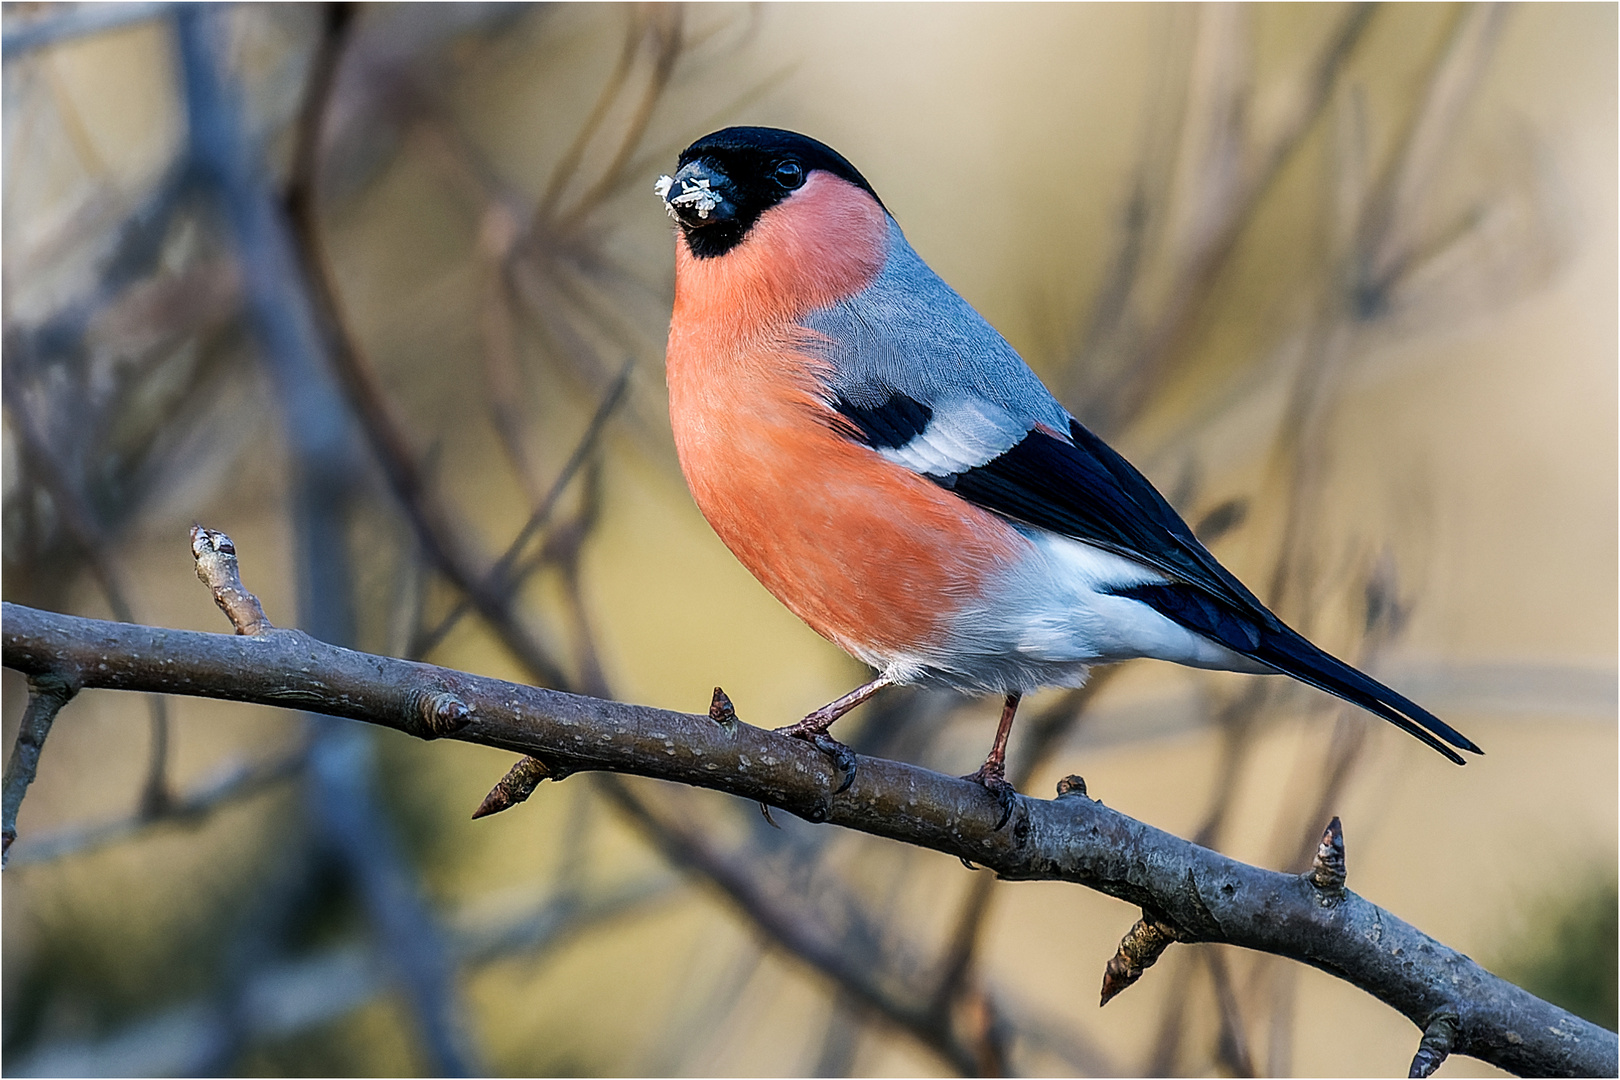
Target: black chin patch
{"x": 710, "y": 241}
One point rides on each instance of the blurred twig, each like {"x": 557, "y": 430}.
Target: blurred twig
{"x": 662, "y": 27}
{"x": 507, "y": 575}
{"x": 233, "y": 784}
{"x": 444, "y": 544}
{"x": 103, "y": 390}
{"x": 1233, "y": 1045}
{"x": 1130, "y": 339}
{"x": 86, "y": 532}
{"x": 796, "y": 928}
{"x": 75, "y": 21}
{"x": 1391, "y": 232}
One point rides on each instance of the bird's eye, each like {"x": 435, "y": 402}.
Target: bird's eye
{"x": 790, "y": 174}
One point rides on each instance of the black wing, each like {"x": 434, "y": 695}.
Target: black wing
{"x": 1086, "y": 491}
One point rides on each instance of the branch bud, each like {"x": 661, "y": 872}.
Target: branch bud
{"x": 442, "y": 712}
{"x": 517, "y": 785}
{"x": 1139, "y": 950}
{"x": 1327, "y": 869}
{"x": 1438, "y": 1039}
{"x": 721, "y": 710}
{"x": 217, "y": 569}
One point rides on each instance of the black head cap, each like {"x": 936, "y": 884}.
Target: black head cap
{"x": 727, "y": 179}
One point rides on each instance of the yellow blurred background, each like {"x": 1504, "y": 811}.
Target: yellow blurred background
{"x": 1342, "y": 282}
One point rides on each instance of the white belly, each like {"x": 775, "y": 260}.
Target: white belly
{"x": 1053, "y": 616}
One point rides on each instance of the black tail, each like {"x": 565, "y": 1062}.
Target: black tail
{"x": 1291, "y": 654}
{"x": 1275, "y": 645}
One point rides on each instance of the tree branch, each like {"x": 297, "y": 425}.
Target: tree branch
{"x": 1205, "y": 896}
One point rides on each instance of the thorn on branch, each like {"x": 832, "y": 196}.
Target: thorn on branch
{"x": 1327, "y": 869}
{"x": 1438, "y": 1039}
{"x": 443, "y": 713}
{"x": 1139, "y": 950}
{"x": 721, "y": 711}
{"x": 217, "y": 569}
{"x": 517, "y": 785}
{"x": 1072, "y": 787}
{"x": 765, "y": 810}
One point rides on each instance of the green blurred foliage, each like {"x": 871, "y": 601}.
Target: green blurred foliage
{"x": 1571, "y": 953}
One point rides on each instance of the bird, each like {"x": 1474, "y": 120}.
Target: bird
{"x": 879, "y": 457}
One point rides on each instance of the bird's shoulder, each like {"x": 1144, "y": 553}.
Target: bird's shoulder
{"x": 912, "y": 364}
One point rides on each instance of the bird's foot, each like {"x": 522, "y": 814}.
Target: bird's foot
{"x": 992, "y": 776}
{"x": 813, "y": 730}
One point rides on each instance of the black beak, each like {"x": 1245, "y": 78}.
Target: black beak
{"x": 698, "y": 195}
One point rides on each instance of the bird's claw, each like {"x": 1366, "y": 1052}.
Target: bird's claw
{"x": 842, "y": 757}
{"x": 994, "y": 780}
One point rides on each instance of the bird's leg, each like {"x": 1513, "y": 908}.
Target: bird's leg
{"x": 813, "y": 728}
{"x": 819, "y": 721}
{"x": 993, "y": 773}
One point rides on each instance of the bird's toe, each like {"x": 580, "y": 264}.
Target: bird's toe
{"x": 994, "y": 780}
{"x": 841, "y": 756}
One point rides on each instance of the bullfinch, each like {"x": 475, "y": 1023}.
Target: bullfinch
{"x": 879, "y": 457}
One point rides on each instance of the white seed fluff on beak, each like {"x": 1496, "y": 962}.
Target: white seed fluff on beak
{"x": 662, "y": 188}
{"x": 694, "y": 193}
